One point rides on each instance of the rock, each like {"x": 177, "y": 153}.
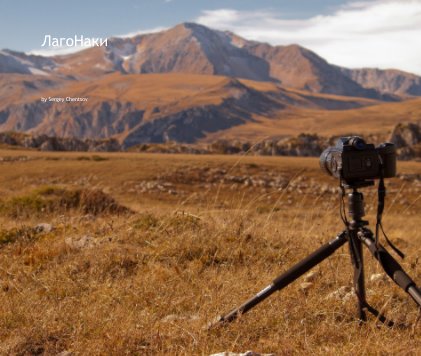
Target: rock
{"x": 83, "y": 242}
{"x": 107, "y": 145}
{"x": 175, "y": 317}
{"x": 343, "y": 293}
{"x": 351, "y": 294}
{"x": 378, "y": 277}
{"x": 406, "y": 134}
{"x": 407, "y": 139}
{"x": 43, "y": 228}
{"x": 65, "y": 353}
{"x": 46, "y": 143}
{"x": 311, "y": 276}
{"x": 306, "y": 285}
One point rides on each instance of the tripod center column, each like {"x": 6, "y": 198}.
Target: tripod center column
{"x": 356, "y": 205}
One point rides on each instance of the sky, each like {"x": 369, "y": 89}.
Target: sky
{"x": 351, "y": 33}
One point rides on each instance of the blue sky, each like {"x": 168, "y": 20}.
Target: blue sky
{"x": 30, "y": 20}
{"x": 354, "y": 33}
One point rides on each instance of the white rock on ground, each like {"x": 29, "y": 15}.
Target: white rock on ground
{"x": 378, "y": 277}
{"x": 175, "y": 317}
{"x": 306, "y": 285}
{"x": 343, "y": 293}
{"x": 44, "y": 227}
{"x": 311, "y": 276}
{"x": 79, "y": 243}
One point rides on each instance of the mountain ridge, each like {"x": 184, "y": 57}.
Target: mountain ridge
{"x": 196, "y": 49}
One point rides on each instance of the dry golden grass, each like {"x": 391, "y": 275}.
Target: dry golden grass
{"x": 147, "y": 283}
{"x": 374, "y": 119}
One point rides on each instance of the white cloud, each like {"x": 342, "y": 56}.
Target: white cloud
{"x": 376, "y": 33}
{"x": 142, "y": 32}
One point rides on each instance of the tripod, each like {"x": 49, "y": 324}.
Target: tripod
{"x": 356, "y": 234}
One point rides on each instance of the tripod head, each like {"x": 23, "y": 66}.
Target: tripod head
{"x": 355, "y": 202}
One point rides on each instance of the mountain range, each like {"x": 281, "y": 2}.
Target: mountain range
{"x": 192, "y": 83}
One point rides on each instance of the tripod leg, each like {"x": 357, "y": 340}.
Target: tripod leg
{"x": 357, "y": 257}
{"x": 392, "y": 268}
{"x": 286, "y": 278}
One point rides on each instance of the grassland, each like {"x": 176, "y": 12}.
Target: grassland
{"x": 203, "y": 234}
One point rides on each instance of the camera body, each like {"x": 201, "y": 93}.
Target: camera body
{"x": 353, "y": 160}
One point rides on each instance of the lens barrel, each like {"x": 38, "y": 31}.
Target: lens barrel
{"x": 330, "y": 161}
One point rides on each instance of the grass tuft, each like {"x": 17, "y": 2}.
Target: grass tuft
{"x": 56, "y": 200}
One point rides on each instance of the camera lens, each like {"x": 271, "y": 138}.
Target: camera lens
{"x": 330, "y": 161}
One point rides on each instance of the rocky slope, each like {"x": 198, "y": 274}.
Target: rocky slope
{"x": 406, "y": 137}
{"x": 296, "y": 67}
{"x": 387, "y": 81}
{"x": 48, "y": 143}
{"x": 21, "y": 63}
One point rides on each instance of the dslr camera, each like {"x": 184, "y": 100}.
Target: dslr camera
{"x": 354, "y": 161}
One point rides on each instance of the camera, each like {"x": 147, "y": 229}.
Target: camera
{"x": 353, "y": 160}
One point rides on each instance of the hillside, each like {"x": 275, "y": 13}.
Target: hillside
{"x": 160, "y": 107}
{"x": 376, "y": 119}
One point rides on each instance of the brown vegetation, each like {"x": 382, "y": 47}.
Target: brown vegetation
{"x": 207, "y": 233}
{"x": 48, "y": 200}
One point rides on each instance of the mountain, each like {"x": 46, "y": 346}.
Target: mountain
{"x": 196, "y": 49}
{"x": 387, "y": 81}
{"x": 158, "y": 107}
{"x": 296, "y": 67}
{"x": 190, "y": 83}
{"x": 21, "y": 63}
{"x": 186, "y": 48}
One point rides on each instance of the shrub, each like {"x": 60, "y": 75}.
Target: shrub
{"x": 49, "y": 200}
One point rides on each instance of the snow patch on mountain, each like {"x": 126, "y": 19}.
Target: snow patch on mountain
{"x": 37, "y": 71}
{"x": 17, "y": 62}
